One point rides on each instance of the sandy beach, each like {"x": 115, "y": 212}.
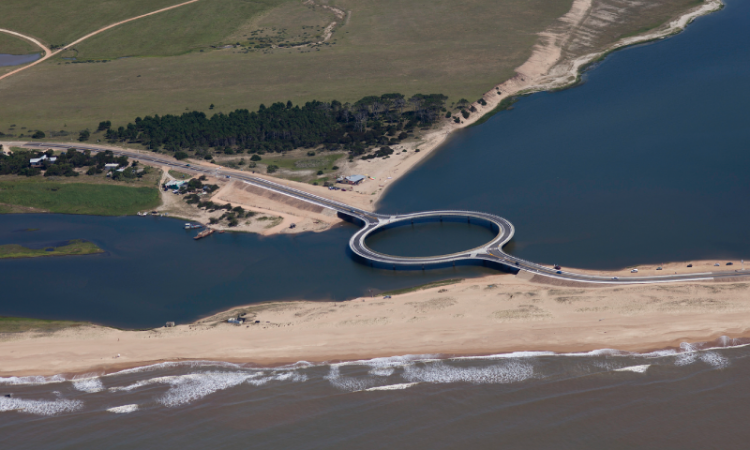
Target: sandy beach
{"x": 495, "y": 314}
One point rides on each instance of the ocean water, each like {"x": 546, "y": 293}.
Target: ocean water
{"x": 693, "y": 397}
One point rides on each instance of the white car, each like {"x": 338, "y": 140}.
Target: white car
{"x": 634, "y": 271}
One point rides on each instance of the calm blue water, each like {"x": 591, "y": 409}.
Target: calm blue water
{"x": 645, "y": 162}
{"x": 648, "y": 161}
{"x": 17, "y": 60}
{"x": 154, "y": 272}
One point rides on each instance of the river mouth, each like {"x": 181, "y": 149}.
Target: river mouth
{"x": 17, "y": 60}
{"x": 433, "y": 238}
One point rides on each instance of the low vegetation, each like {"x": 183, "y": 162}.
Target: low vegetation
{"x": 74, "y": 247}
{"x": 78, "y": 198}
{"x": 20, "y": 325}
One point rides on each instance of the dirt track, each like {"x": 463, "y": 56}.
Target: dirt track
{"x": 48, "y": 53}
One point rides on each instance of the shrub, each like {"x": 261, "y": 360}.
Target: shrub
{"x": 457, "y": 119}
{"x": 448, "y": 115}
{"x": 272, "y": 168}
{"x": 465, "y": 113}
{"x": 181, "y": 155}
{"x": 255, "y": 158}
{"x": 320, "y": 172}
{"x": 38, "y": 135}
{"x": 482, "y": 102}
{"x": 84, "y": 135}
{"x": 335, "y": 168}
{"x": 311, "y": 153}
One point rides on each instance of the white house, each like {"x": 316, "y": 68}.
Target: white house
{"x": 38, "y": 162}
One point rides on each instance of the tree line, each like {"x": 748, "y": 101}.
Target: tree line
{"x": 373, "y": 121}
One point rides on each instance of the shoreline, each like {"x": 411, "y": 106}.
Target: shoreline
{"x": 545, "y": 70}
{"x": 473, "y": 317}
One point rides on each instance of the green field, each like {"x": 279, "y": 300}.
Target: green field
{"x": 16, "y": 46}
{"x": 74, "y": 247}
{"x": 63, "y": 21}
{"x": 19, "y": 325}
{"x": 78, "y": 198}
{"x": 460, "y": 49}
{"x": 431, "y": 46}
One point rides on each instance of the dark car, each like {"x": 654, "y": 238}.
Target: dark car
{"x": 559, "y": 272}
{"x": 730, "y": 264}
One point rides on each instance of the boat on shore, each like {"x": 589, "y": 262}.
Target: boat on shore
{"x": 204, "y": 233}
{"x": 193, "y": 226}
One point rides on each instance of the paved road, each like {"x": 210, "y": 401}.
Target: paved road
{"x": 372, "y": 222}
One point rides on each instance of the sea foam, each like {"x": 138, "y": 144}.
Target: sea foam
{"x": 511, "y": 372}
{"x": 637, "y": 369}
{"x": 39, "y": 407}
{"x": 124, "y": 409}
{"x": 392, "y": 387}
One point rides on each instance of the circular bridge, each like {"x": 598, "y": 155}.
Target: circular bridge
{"x": 504, "y": 232}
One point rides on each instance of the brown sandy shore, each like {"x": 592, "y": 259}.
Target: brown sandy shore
{"x": 495, "y": 314}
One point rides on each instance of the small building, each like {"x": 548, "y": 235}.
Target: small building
{"x": 174, "y": 184}
{"x": 352, "y": 179}
{"x": 111, "y": 166}
{"x": 39, "y": 162}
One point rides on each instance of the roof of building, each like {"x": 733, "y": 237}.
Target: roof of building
{"x": 355, "y": 178}
{"x": 38, "y": 160}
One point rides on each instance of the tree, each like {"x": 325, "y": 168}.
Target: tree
{"x": 181, "y": 155}
{"x": 38, "y": 135}
{"x": 255, "y": 158}
{"x": 105, "y": 125}
{"x": 211, "y": 107}
{"x": 84, "y": 135}
{"x": 272, "y": 168}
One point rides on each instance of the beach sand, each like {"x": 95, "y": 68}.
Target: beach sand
{"x": 494, "y": 314}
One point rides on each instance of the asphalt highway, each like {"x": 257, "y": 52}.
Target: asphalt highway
{"x": 492, "y": 251}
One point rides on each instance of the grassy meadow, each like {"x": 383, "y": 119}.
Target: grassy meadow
{"x": 77, "y": 198}
{"x": 12, "y": 45}
{"x": 63, "y": 21}
{"x": 460, "y": 49}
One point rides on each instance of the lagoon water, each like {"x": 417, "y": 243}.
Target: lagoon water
{"x": 646, "y": 162}
{"x": 17, "y": 60}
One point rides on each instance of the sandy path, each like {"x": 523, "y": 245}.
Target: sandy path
{"x": 48, "y": 53}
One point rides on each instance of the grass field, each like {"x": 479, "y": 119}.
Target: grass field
{"x": 63, "y": 21}
{"x": 460, "y": 49}
{"x": 78, "y": 198}
{"x": 16, "y": 46}
{"x": 74, "y": 247}
{"x": 18, "y": 325}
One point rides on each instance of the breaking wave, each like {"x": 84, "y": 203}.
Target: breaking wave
{"x": 39, "y": 407}
{"x": 511, "y": 372}
{"x": 124, "y": 409}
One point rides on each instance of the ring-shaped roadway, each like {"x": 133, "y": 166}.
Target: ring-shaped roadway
{"x": 360, "y": 248}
